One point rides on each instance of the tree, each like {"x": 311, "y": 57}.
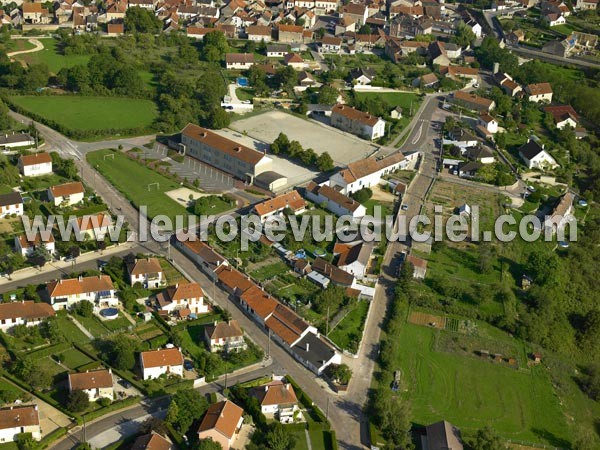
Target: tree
{"x": 25, "y": 441}
{"x": 141, "y": 20}
{"x": 119, "y": 351}
{"x": 589, "y": 338}
{"x": 84, "y": 308}
{"x": 395, "y": 419}
{"x": 280, "y": 144}
{"x": 278, "y": 438}
{"x": 191, "y": 405}
{"x": 34, "y": 373}
{"x": 78, "y": 401}
{"x": 286, "y": 78}
{"x": 258, "y": 80}
{"x": 218, "y": 118}
{"x": 172, "y": 414}
{"x": 590, "y": 382}
{"x": 208, "y": 444}
{"x": 340, "y": 373}
{"x": 325, "y": 162}
{"x": 464, "y": 35}
{"x": 363, "y": 195}
{"x": 327, "y": 95}
{"x": 487, "y": 439}
{"x": 329, "y": 300}
{"x": 214, "y": 46}
{"x": 541, "y": 266}
{"x": 52, "y": 330}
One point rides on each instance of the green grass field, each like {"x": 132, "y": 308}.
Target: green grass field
{"x": 348, "y": 332}
{"x": 51, "y": 57}
{"x": 73, "y": 358}
{"x": 402, "y": 99}
{"x": 72, "y": 333}
{"x": 90, "y": 113}
{"x": 134, "y": 179}
{"x": 269, "y": 271}
{"x": 472, "y": 394}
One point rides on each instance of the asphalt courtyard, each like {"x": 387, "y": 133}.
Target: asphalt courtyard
{"x": 343, "y": 147}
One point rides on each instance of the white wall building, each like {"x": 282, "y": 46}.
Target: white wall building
{"x": 66, "y": 194}
{"x": 19, "y": 419}
{"x": 367, "y": 172}
{"x": 35, "y": 165}
{"x": 26, "y": 313}
{"x": 167, "y": 361}
{"x": 11, "y": 204}
{"x": 98, "y": 290}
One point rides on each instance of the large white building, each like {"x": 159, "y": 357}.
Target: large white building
{"x": 98, "y": 290}
{"x": 535, "y": 157}
{"x": 167, "y": 361}
{"x": 357, "y": 122}
{"x": 334, "y": 201}
{"x": 35, "y": 165}
{"x": 27, "y": 313}
{"x": 19, "y": 419}
{"x": 367, "y": 172}
{"x": 182, "y": 299}
{"x": 147, "y": 272}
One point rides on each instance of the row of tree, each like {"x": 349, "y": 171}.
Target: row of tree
{"x": 294, "y": 150}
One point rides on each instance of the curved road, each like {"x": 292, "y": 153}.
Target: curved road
{"x": 38, "y": 46}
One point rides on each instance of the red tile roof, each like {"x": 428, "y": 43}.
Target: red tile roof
{"x": 223, "y": 417}
{"x": 90, "y": 380}
{"x": 62, "y": 190}
{"x": 162, "y": 357}
{"x": 25, "y": 310}
{"x": 291, "y": 200}
{"x": 36, "y": 158}
{"x": 83, "y": 285}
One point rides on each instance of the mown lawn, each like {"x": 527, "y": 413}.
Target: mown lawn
{"x": 402, "y": 99}
{"x": 51, "y": 57}
{"x": 348, "y": 332}
{"x": 270, "y": 271}
{"x": 472, "y": 394}
{"x": 90, "y": 113}
{"x": 73, "y": 358}
{"x": 72, "y": 333}
{"x": 134, "y": 181}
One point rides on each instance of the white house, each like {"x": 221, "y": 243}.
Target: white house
{"x": 367, "y": 172}
{"x": 539, "y": 92}
{"x": 357, "y": 122}
{"x": 335, "y": 201}
{"x": 563, "y": 116}
{"x": 535, "y": 157}
{"x": 277, "y": 50}
{"x": 66, "y": 194}
{"x": 488, "y": 123}
{"x": 146, "y": 271}
{"x": 35, "y": 165}
{"x": 225, "y": 336}
{"x": 98, "y": 290}
{"x": 19, "y": 419}
{"x": 27, "y": 313}
{"x": 205, "y": 257}
{"x": 461, "y": 138}
{"x": 331, "y": 44}
{"x": 16, "y": 140}
{"x": 182, "y": 299}
{"x": 277, "y": 399}
{"x": 27, "y": 247}
{"x": 11, "y": 204}
{"x": 353, "y": 257}
{"x": 96, "y": 384}
{"x": 561, "y": 215}
{"x": 274, "y": 206}
{"x": 91, "y": 226}
{"x": 167, "y": 361}
{"x": 239, "y": 61}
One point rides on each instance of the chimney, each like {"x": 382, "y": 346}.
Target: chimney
{"x": 307, "y": 347}
{"x": 80, "y": 278}
{"x": 215, "y": 323}
{"x": 496, "y": 68}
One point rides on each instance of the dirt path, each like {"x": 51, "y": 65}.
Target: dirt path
{"x": 38, "y": 46}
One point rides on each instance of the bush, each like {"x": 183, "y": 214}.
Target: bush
{"x": 363, "y": 195}
{"x": 78, "y": 401}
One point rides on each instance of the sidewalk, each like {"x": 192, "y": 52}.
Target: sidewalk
{"x": 64, "y": 266}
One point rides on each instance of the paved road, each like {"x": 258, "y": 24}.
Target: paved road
{"x": 538, "y": 54}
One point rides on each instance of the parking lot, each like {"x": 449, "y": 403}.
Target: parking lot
{"x": 295, "y": 174}
{"x": 343, "y": 147}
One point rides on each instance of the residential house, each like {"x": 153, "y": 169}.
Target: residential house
{"x": 563, "y": 116}
{"x": 362, "y": 76}
{"x": 396, "y": 113}
{"x": 355, "y": 11}
{"x": 534, "y": 155}
{"x": 11, "y": 204}
{"x": 277, "y": 399}
{"x": 353, "y": 257}
{"x": 225, "y": 336}
{"x": 409, "y": 27}
{"x": 115, "y": 29}
{"x": 96, "y": 384}
{"x": 331, "y": 44}
{"x": 323, "y": 7}
{"x": 305, "y": 79}
{"x": 27, "y": 247}
{"x": 258, "y": 303}
{"x": 345, "y": 25}
{"x": 115, "y": 11}
{"x": 147, "y": 272}
{"x": 259, "y": 33}
{"x": 561, "y": 215}
{"x": 205, "y": 257}
{"x": 315, "y": 353}
{"x": 14, "y": 140}
{"x": 488, "y": 123}
{"x": 461, "y": 138}
{"x": 152, "y": 441}
{"x": 290, "y": 33}
{"x": 428, "y": 80}
{"x": 442, "y": 436}
{"x": 236, "y": 159}
{"x": 472, "y": 101}
{"x": 99, "y": 290}
{"x": 553, "y": 19}
{"x": 507, "y": 84}
{"x": 91, "y": 226}
{"x": 36, "y": 14}
{"x": 66, "y": 194}
{"x": 470, "y": 21}
{"x": 221, "y": 423}
{"x": 36, "y": 164}
{"x": 295, "y": 61}
{"x": 456, "y": 72}
{"x": 437, "y": 54}
{"x": 469, "y": 169}
{"x": 334, "y": 201}
{"x": 286, "y": 326}
{"x": 277, "y": 50}
{"x": 367, "y": 172}
{"x": 166, "y": 361}
{"x": 197, "y": 32}
{"x": 539, "y": 92}
{"x": 16, "y": 420}
{"x": 419, "y": 266}
{"x": 337, "y": 276}
{"x": 239, "y": 61}
{"x": 233, "y": 281}
{"x": 291, "y": 201}
{"x": 481, "y": 154}
{"x": 182, "y": 300}
{"x": 26, "y": 313}
{"x": 357, "y": 122}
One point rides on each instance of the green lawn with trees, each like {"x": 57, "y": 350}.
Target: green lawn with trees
{"x": 51, "y": 56}
{"x": 89, "y": 113}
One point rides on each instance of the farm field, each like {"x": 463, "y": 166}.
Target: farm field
{"x": 472, "y": 394}
{"x": 133, "y": 180}
{"x": 79, "y": 113}
{"x": 51, "y": 57}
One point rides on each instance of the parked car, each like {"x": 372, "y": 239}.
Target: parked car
{"x": 404, "y": 207}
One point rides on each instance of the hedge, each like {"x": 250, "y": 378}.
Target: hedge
{"x": 331, "y": 440}
{"x": 50, "y": 438}
{"x": 307, "y": 402}
{"x": 50, "y": 350}
{"x": 176, "y": 437}
{"x": 120, "y": 404}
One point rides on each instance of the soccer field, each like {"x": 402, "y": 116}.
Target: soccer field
{"x": 471, "y": 394}
{"x": 79, "y": 113}
{"x": 142, "y": 186}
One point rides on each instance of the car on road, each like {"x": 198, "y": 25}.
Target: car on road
{"x": 404, "y": 207}
{"x": 246, "y": 102}
{"x": 70, "y": 259}
{"x": 531, "y": 188}
{"x": 476, "y": 85}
